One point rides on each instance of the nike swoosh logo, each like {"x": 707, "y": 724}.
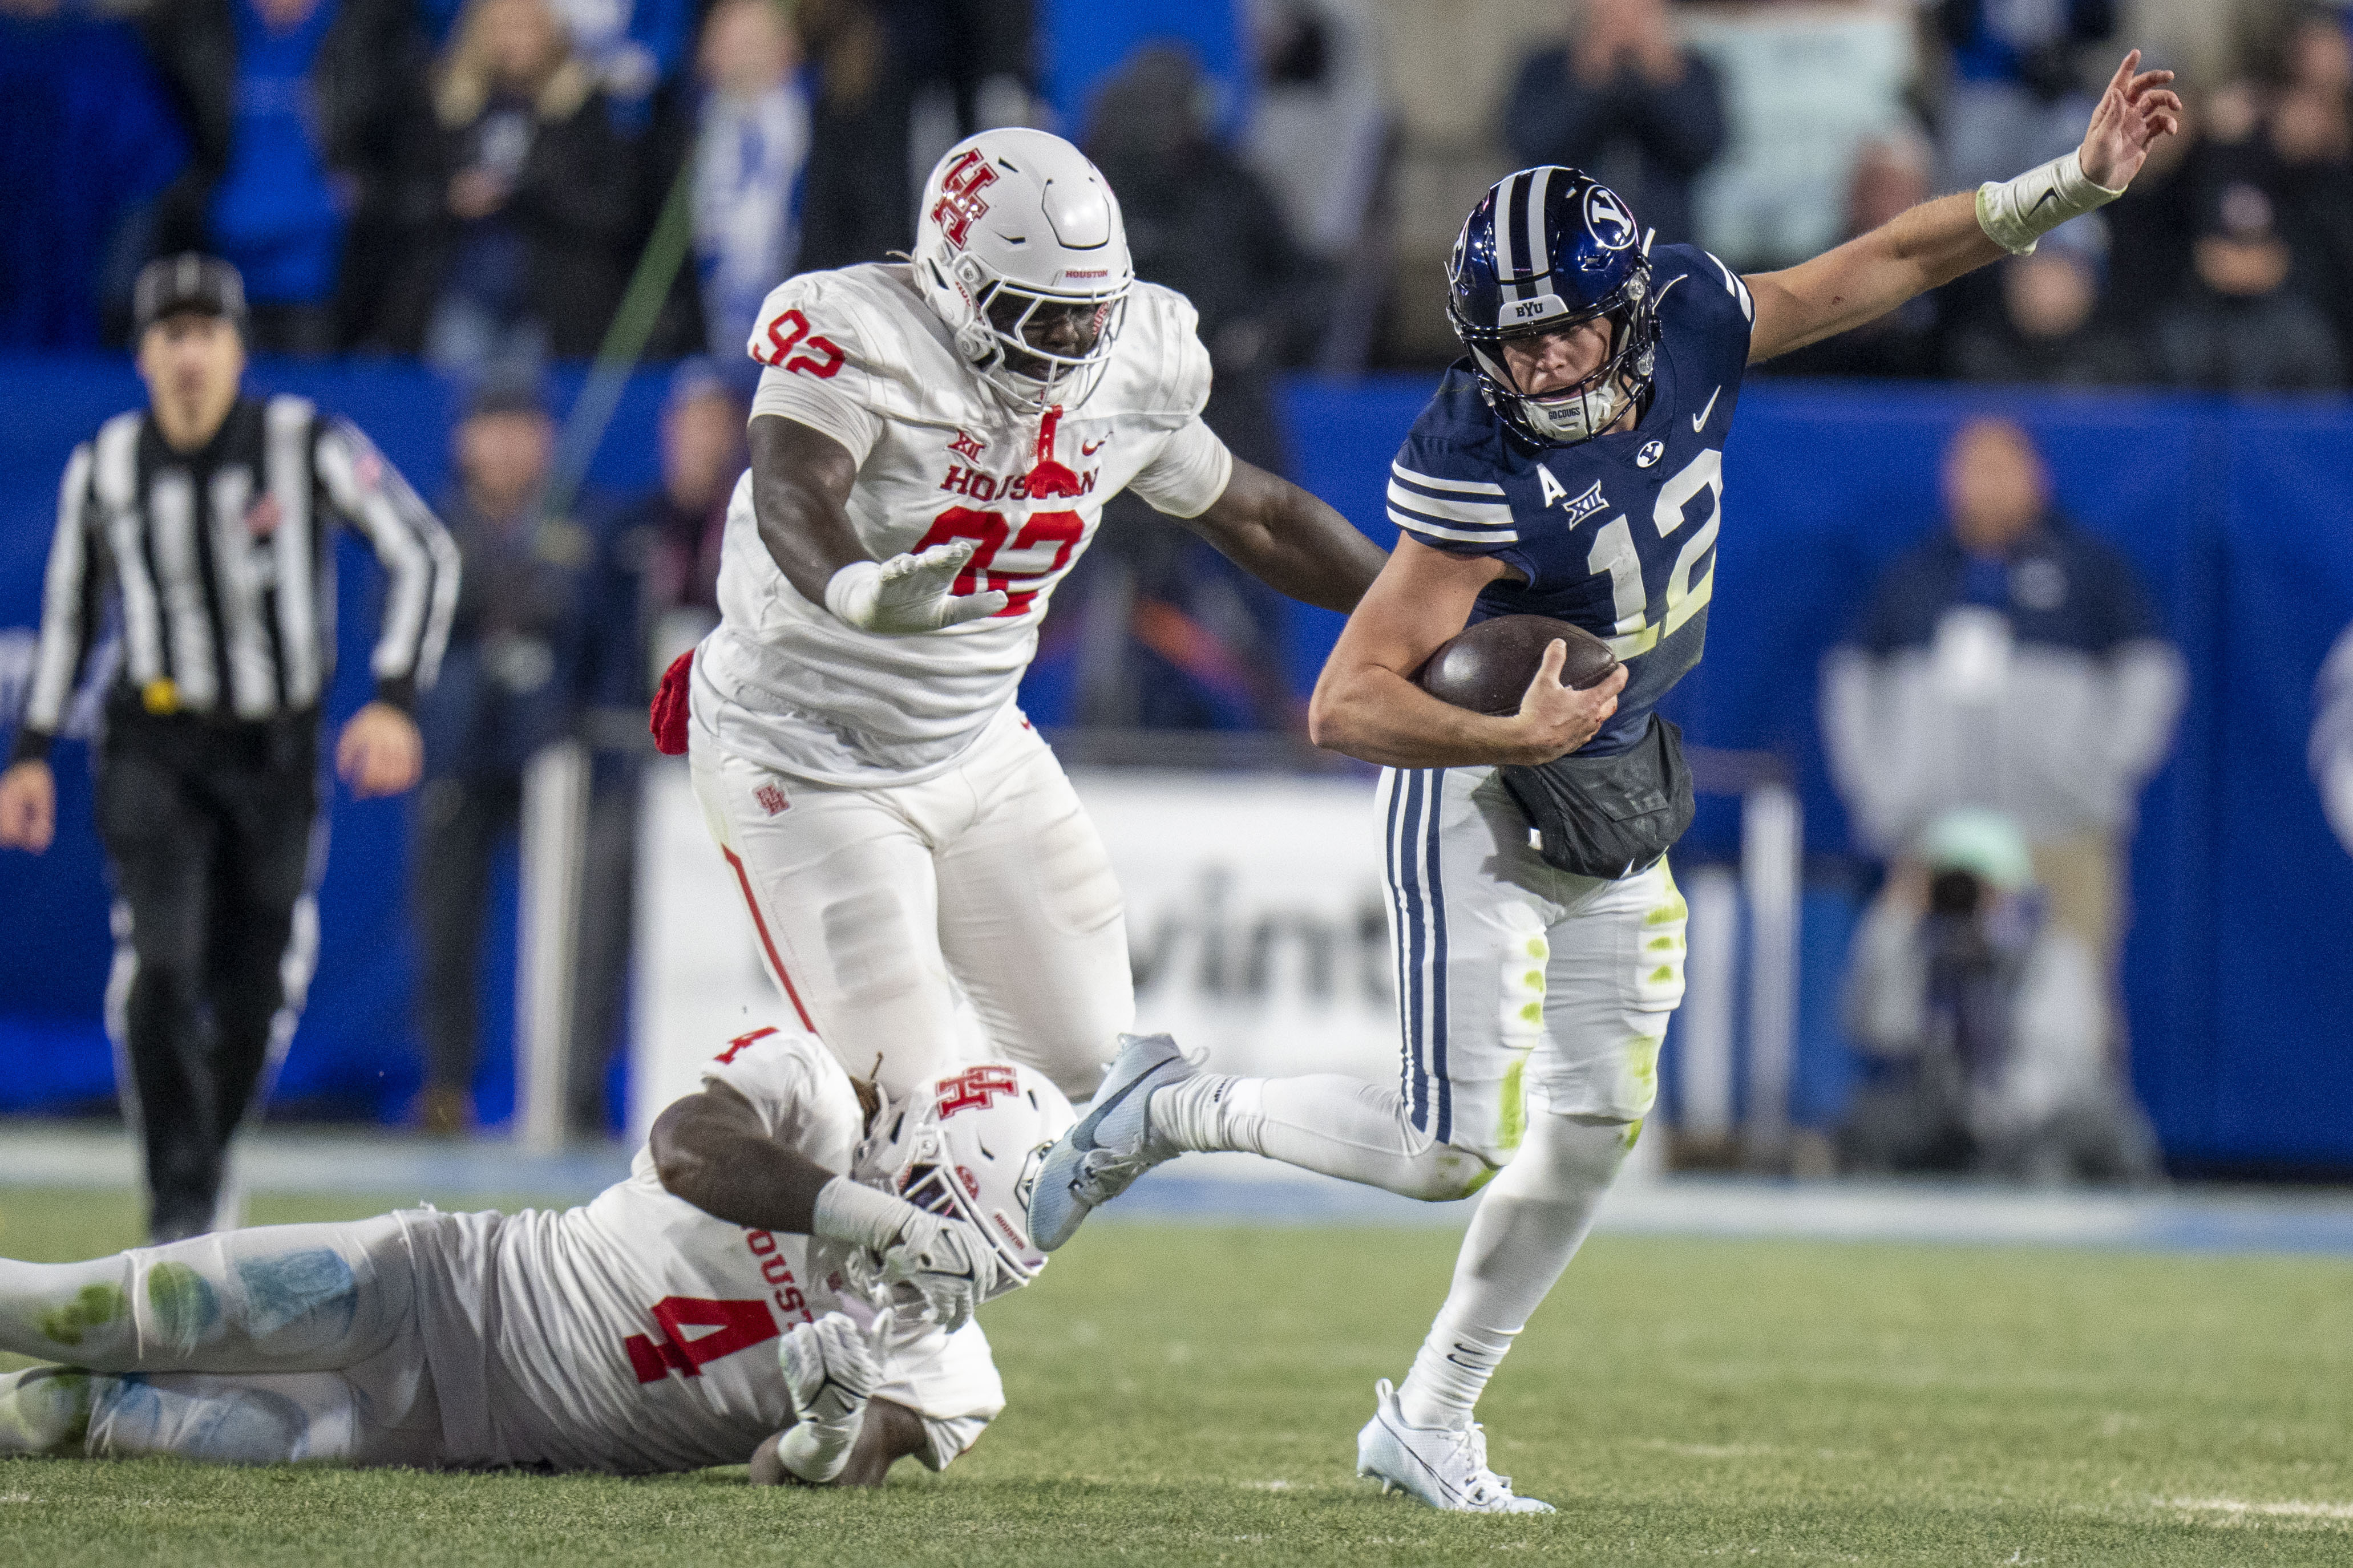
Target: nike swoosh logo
{"x": 1699, "y": 420}
{"x": 1089, "y": 450}
{"x": 2049, "y": 196}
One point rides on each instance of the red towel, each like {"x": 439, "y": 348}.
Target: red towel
{"x": 669, "y": 723}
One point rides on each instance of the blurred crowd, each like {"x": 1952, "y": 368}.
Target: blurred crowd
{"x": 475, "y": 180}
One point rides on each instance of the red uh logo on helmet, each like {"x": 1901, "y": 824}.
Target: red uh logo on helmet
{"x": 960, "y": 201}
{"x": 975, "y": 1088}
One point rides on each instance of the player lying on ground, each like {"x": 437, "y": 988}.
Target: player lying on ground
{"x": 735, "y": 1294}
{"x": 1571, "y": 467}
{"x": 932, "y": 447}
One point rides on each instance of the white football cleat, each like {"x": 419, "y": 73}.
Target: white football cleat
{"x": 1445, "y": 1466}
{"x": 1111, "y": 1145}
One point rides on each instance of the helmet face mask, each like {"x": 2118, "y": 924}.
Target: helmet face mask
{"x": 1021, "y": 252}
{"x": 1546, "y": 249}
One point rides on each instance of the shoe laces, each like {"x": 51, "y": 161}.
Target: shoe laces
{"x": 1482, "y": 1485}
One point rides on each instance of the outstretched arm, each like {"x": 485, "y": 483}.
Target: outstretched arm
{"x": 1938, "y": 241}
{"x": 1288, "y": 539}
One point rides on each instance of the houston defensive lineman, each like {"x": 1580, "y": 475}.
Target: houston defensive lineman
{"x": 1571, "y": 465}
{"x": 787, "y": 1276}
{"x": 932, "y": 446}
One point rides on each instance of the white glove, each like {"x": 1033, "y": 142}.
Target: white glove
{"x": 910, "y": 593}
{"x": 831, "y": 1371}
{"x": 944, "y": 1265}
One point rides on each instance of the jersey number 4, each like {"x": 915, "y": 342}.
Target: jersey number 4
{"x": 1062, "y": 530}
{"x": 820, "y": 356}
{"x": 733, "y": 1325}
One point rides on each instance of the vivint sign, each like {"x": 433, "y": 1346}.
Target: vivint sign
{"x": 1255, "y": 927}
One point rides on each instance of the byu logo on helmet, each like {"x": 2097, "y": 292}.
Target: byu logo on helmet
{"x": 1606, "y": 216}
{"x": 1547, "y": 249}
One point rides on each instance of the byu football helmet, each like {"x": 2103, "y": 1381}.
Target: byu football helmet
{"x": 1547, "y": 248}
{"x": 1020, "y": 249}
{"x": 968, "y": 1147}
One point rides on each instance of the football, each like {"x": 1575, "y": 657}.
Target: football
{"x": 1486, "y": 668}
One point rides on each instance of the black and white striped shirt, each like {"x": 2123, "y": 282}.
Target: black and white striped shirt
{"x": 218, "y": 568}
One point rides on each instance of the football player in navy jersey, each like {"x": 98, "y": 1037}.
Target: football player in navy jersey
{"x": 1571, "y": 466}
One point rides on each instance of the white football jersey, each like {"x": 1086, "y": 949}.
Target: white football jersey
{"x": 638, "y": 1333}
{"x": 858, "y": 356}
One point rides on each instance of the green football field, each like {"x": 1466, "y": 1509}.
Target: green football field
{"x": 1185, "y": 1393}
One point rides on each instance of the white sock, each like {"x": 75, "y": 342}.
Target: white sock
{"x": 1530, "y": 1223}
{"x": 1339, "y": 1126}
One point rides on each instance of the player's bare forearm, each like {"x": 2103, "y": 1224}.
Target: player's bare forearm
{"x": 801, "y": 480}
{"x": 1289, "y": 540}
{"x": 1870, "y": 274}
{"x": 711, "y": 1150}
{"x": 1367, "y": 706}
{"x": 890, "y": 1433}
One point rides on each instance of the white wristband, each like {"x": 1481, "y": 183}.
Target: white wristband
{"x": 2016, "y": 213}
{"x": 818, "y": 1452}
{"x": 851, "y": 592}
{"x": 860, "y": 1215}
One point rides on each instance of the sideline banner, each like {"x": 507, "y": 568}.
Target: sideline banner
{"x": 1255, "y": 923}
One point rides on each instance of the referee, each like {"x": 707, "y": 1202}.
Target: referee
{"x": 200, "y": 529}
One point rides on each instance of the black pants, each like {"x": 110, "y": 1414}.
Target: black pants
{"x": 211, "y": 832}
{"x": 461, "y": 824}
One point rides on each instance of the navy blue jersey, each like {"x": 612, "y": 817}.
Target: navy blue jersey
{"x": 1616, "y": 534}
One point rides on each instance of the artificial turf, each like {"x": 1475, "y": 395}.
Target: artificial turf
{"x": 1185, "y": 1394}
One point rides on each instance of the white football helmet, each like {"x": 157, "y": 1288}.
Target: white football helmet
{"x": 968, "y": 1147}
{"x": 1020, "y": 249}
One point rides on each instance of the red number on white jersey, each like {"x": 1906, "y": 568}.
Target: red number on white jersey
{"x": 820, "y": 356}
{"x": 735, "y": 1047}
{"x": 1062, "y": 530}
{"x": 734, "y": 1325}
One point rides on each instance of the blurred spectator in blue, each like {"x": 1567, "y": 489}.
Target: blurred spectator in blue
{"x": 1626, "y": 103}
{"x": 2332, "y": 738}
{"x": 2309, "y": 135}
{"x": 2051, "y": 331}
{"x": 2014, "y": 662}
{"x": 897, "y": 83}
{"x": 2242, "y": 325}
{"x": 525, "y": 200}
{"x": 631, "y": 46}
{"x": 2017, "y": 98}
{"x": 657, "y": 594}
{"x": 752, "y": 144}
{"x": 297, "y": 109}
{"x": 1891, "y": 175}
{"x": 1983, "y": 1024}
{"x": 88, "y": 140}
{"x": 1176, "y": 639}
{"x": 510, "y": 684}
{"x": 2150, "y": 228}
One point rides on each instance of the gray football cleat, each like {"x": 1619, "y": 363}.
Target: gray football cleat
{"x": 1111, "y": 1145}
{"x": 1445, "y": 1466}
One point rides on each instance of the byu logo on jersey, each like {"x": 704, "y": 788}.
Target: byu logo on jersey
{"x": 1606, "y": 216}
{"x": 1650, "y": 453}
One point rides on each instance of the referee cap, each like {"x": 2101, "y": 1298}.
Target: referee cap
{"x": 188, "y": 281}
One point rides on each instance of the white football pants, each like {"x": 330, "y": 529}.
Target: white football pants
{"x": 284, "y": 1342}
{"x": 875, "y": 905}
{"x": 1513, "y": 977}
{"x": 1533, "y": 1005}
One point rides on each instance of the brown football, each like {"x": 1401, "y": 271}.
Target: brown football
{"x": 1487, "y": 668}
